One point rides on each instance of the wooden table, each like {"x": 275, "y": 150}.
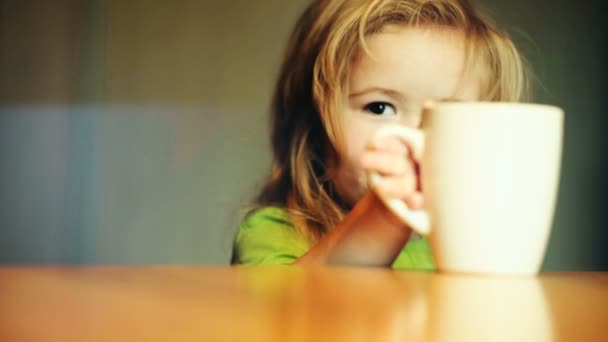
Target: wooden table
{"x": 296, "y": 304}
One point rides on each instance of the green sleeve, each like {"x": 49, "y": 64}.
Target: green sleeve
{"x": 416, "y": 255}
{"x": 267, "y": 237}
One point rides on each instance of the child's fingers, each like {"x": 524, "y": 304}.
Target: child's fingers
{"x": 397, "y": 187}
{"x": 387, "y": 164}
{"x": 390, "y": 144}
{"x": 415, "y": 200}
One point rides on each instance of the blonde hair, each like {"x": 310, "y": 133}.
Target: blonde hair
{"x": 306, "y": 137}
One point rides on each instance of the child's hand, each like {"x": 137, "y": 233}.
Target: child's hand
{"x": 400, "y": 177}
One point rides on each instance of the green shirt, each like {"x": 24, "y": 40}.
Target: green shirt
{"x": 267, "y": 237}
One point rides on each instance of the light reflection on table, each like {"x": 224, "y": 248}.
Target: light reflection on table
{"x": 296, "y": 304}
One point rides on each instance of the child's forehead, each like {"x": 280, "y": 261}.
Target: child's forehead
{"x": 403, "y": 46}
{"x": 425, "y": 61}
{"x": 413, "y": 36}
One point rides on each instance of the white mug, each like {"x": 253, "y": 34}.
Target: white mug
{"x": 490, "y": 173}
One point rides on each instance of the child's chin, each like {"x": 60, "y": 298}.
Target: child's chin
{"x": 353, "y": 195}
{"x": 351, "y": 186}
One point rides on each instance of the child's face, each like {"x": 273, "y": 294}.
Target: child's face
{"x": 409, "y": 67}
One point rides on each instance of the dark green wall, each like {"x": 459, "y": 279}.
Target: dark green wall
{"x": 566, "y": 43}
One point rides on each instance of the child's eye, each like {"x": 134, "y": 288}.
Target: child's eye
{"x": 380, "y": 108}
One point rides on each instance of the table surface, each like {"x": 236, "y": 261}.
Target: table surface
{"x": 296, "y": 304}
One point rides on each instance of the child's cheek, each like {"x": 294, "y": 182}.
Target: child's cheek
{"x": 351, "y": 181}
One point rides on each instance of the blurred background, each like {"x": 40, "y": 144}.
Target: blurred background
{"x": 134, "y": 132}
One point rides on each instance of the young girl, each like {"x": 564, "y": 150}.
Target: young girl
{"x": 351, "y": 67}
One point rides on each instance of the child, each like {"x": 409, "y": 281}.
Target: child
{"x": 351, "y": 67}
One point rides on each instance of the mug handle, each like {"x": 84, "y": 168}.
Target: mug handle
{"x": 418, "y": 219}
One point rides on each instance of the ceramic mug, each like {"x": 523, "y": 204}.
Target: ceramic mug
{"x": 489, "y": 173}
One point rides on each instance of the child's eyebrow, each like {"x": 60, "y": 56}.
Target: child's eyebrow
{"x": 389, "y": 92}
{"x": 450, "y": 99}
